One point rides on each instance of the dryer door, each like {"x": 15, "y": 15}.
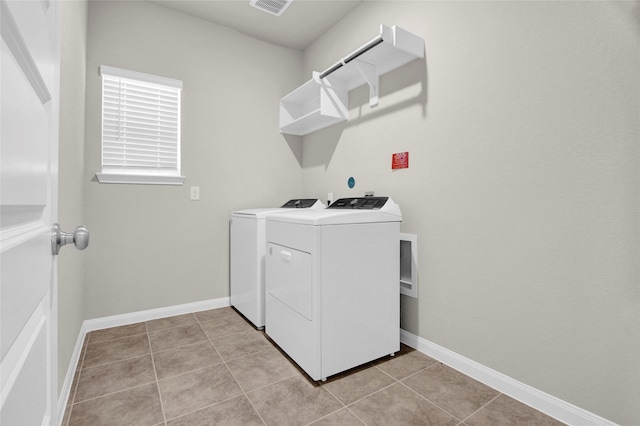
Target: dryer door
{"x": 289, "y": 278}
{"x": 289, "y": 319}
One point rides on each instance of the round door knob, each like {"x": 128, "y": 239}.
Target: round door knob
{"x": 80, "y": 238}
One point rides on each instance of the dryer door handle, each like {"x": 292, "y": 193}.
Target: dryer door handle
{"x": 285, "y": 255}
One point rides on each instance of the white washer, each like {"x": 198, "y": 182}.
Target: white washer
{"x": 247, "y": 241}
{"x": 333, "y": 299}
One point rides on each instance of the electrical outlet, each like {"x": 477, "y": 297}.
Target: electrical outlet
{"x": 195, "y": 193}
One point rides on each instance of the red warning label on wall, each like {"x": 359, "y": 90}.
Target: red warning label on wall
{"x": 400, "y": 160}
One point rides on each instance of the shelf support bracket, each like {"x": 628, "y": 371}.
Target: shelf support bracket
{"x": 372, "y": 78}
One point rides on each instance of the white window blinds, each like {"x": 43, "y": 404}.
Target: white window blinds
{"x": 140, "y": 127}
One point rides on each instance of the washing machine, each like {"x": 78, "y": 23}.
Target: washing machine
{"x": 332, "y": 284}
{"x": 247, "y": 251}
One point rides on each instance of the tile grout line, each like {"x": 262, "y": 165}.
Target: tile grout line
{"x": 116, "y": 361}
{"x": 432, "y": 402}
{"x": 357, "y": 417}
{"x": 155, "y": 372}
{"x": 483, "y": 406}
{"x": 367, "y": 396}
{"x": 114, "y": 392}
{"x": 373, "y": 393}
{"x": 204, "y": 408}
{"x": 120, "y": 390}
{"x": 429, "y": 401}
{"x": 421, "y": 370}
{"x": 395, "y": 381}
{"x": 244, "y": 393}
{"x": 110, "y": 341}
{"x": 327, "y": 415}
{"x": 384, "y": 372}
{"x": 296, "y": 374}
{"x": 115, "y": 338}
{"x": 178, "y": 347}
{"x": 344, "y": 406}
{"x": 245, "y": 355}
{"x": 171, "y": 326}
{"x": 337, "y": 399}
{"x": 190, "y": 371}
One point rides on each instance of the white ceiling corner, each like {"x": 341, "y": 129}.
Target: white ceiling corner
{"x": 301, "y": 24}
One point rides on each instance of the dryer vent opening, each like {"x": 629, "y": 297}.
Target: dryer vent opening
{"x": 409, "y": 265}
{"x": 274, "y": 7}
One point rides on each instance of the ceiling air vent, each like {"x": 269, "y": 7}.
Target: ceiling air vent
{"x": 274, "y": 7}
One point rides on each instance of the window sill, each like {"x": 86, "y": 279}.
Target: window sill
{"x": 136, "y": 179}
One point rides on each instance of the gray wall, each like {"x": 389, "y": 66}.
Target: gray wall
{"x": 522, "y": 126}
{"x": 71, "y": 177}
{"x": 151, "y": 245}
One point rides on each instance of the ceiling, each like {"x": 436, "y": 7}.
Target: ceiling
{"x": 300, "y": 24}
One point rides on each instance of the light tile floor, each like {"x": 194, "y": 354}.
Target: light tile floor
{"x": 214, "y": 368}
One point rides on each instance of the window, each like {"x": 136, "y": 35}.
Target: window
{"x": 140, "y": 128}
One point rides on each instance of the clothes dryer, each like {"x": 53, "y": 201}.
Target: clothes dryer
{"x": 247, "y": 251}
{"x": 332, "y": 284}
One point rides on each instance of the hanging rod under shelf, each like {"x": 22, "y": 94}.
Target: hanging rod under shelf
{"x": 322, "y": 101}
{"x": 373, "y": 43}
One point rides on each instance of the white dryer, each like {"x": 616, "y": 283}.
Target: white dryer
{"x": 247, "y": 251}
{"x": 332, "y": 284}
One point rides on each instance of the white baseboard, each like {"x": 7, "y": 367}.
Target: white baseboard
{"x": 151, "y": 314}
{"x": 65, "y": 392}
{"x": 541, "y": 401}
{"x": 125, "y": 319}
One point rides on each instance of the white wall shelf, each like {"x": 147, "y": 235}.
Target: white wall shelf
{"x": 323, "y": 100}
{"x": 313, "y": 106}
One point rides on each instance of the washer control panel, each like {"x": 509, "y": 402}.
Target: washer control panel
{"x": 361, "y": 203}
{"x": 301, "y": 203}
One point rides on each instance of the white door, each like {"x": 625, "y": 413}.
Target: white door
{"x": 28, "y": 208}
